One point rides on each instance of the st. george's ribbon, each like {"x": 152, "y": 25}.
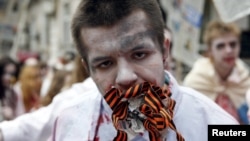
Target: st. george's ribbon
{"x": 156, "y": 108}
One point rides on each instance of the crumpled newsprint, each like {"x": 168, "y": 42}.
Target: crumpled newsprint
{"x": 232, "y": 10}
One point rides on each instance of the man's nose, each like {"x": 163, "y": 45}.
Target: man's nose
{"x": 126, "y": 76}
{"x": 229, "y": 49}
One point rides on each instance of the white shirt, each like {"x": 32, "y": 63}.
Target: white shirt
{"x": 192, "y": 115}
{"x": 37, "y": 126}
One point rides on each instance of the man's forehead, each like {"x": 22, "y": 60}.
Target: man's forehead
{"x": 226, "y": 37}
{"x": 130, "y": 25}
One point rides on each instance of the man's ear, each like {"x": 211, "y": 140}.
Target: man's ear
{"x": 166, "y": 46}
{"x": 85, "y": 65}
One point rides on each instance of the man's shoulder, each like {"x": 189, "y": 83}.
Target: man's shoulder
{"x": 79, "y": 116}
{"x": 86, "y": 97}
{"x": 87, "y": 84}
{"x": 79, "y": 89}
{"x": 82, "y": 95}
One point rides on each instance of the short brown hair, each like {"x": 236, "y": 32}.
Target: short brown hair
{"x": 94, "y": 13}
{"x": 218, "y": 28}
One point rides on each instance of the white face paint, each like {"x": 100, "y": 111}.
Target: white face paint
{"x": 124, "y": 54}
{"x": 225, "y": 50}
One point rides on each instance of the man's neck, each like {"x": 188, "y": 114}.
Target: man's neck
{"x": 223, "y": 73}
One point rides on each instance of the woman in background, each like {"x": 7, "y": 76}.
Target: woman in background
{"x": 28, "y": 89}
{"x": 8, "y": 76}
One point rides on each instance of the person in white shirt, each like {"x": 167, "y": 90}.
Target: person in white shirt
{"x": 122, "y": 45}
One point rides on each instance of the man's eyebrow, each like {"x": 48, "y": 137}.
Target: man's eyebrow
{"x": 128, "y": 41}
{"x": 139, "y": 47}
{"x": 98, "y": 59}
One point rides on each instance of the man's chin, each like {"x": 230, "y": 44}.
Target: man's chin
{"x": 227, "y": 67}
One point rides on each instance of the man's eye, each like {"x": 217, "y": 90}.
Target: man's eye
{"x": 139, "y": 55}
{"x": 220, "y": 46}
{"x": 105, "y": 64}
{"x": 233, "y": 44}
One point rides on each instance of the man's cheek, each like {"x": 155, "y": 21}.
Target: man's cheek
{"x": 107, "y": 88}
{"x": 103, "y": 85}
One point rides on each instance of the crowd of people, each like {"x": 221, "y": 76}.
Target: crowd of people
{"x": 120, "y": 84}
{"x": 29, "y": 84}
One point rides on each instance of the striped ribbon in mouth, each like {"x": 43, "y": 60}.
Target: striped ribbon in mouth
{"x": 143, "y": 103}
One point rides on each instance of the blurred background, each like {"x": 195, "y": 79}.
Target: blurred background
{"x": 41, "y": 28}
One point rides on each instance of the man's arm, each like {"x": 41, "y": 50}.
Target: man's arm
{"x": 36, "y": 126}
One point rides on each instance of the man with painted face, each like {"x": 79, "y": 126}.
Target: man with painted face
{"x": 122, "y": 45}
{"x": 222, "y": 76}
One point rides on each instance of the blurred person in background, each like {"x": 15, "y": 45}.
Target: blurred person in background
{"x": 20, "y": 128}
{"x": 64, "y": 79}
{"x": 52, "y": 66}
{"x": 64, "y": 62}
{"x": 68, "y": 57}
{"x": 56, "y": 86}
{"x": 222, "y": 76}
{"x": 79, "y": 73}
{"x": 8, "y": 76}
{"x": 44, "y": 69}
{"x": 28, "y": 87}
{"x": 69, "y": 68}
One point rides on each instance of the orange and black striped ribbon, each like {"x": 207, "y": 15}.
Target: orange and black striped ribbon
{"x": 159, "y": 115}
